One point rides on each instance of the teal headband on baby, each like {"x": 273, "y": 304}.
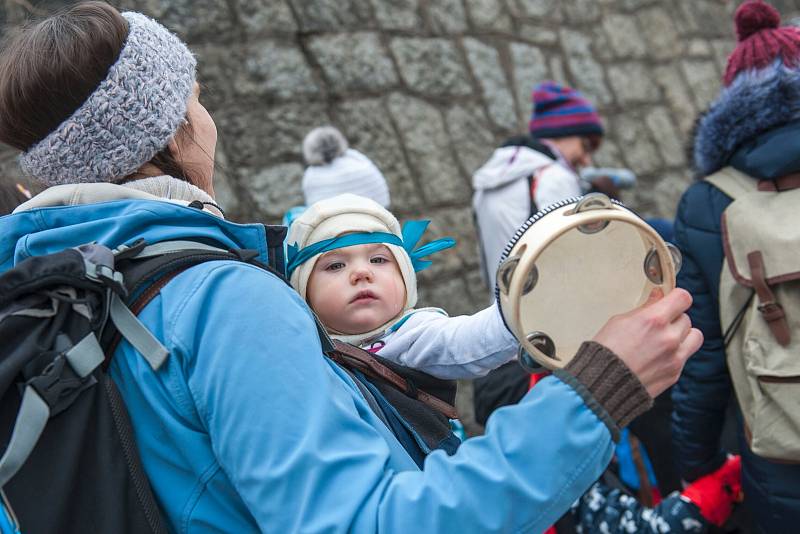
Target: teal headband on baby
{"x": 412, "y": 232}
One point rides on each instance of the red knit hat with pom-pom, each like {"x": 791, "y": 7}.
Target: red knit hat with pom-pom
{"x": 762, "y": 40}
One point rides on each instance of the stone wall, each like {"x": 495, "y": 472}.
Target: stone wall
{"x": 427, "y": 88}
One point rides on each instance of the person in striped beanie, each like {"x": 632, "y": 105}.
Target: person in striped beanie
{"x": 529, "y": 172}
{"x": 569, "y": 122}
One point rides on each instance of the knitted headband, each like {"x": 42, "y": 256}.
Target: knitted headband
{"x": 128, "y": 119}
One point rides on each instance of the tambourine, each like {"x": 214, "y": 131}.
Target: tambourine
{"x": 570, "y": 268}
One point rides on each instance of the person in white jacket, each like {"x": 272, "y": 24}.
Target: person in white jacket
{"x": 531, "y": 172}
{"x": 352, "y": 263}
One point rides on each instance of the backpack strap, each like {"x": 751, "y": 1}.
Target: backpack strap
{"x": 42, "y": 393}
{"x": 784, "y": 183}
{"x": 149, "y": 268}
{"x": 770, "y": 309}
{"x": 532, "y": 182}
{"x": 732, "y": 182}
{"x": 351, "y": 357}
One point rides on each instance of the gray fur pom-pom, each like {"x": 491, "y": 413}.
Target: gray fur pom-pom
{"x": 323, "y": 145}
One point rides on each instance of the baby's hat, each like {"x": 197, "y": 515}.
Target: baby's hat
{"x": 348, "y": 220}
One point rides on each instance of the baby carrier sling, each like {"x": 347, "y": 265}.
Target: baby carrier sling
{"x": 759, "y": 304}
{"x": 70, "y": 462}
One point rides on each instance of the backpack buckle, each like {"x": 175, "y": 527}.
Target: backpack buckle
{"x": 771, "y": 311}
{"x": 106, "y": 276}
{"x": 56, "y": 382}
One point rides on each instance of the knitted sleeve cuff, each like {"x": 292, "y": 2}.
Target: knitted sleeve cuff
{"x": 607, "y": 386}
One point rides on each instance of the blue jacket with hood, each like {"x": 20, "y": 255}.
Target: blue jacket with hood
{"x": 248, "y": 427}
{"x": 701, "y": 396}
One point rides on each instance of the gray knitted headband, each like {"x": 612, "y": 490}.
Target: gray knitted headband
{"x": 128, "y": 119}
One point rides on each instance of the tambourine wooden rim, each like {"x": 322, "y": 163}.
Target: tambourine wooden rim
{"x": 517, "y": 274}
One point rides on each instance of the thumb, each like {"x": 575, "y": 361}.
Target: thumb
{"x": 656, "y": 294}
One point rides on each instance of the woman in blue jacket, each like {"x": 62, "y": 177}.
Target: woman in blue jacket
{"x": 247, "y": 426}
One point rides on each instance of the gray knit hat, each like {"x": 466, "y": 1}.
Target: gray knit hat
{"x": 128, "y": 119}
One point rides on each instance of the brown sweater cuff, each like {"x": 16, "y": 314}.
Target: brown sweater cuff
{"x": 607, "y": 386}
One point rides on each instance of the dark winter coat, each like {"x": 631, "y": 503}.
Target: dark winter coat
{"x": 704, "y": 390}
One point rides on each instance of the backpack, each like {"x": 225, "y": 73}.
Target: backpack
{"x": 70, "y": 461}
{"x": 759, "y": 298}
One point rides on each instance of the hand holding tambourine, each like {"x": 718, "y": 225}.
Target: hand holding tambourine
{"x": 573, "y": 266}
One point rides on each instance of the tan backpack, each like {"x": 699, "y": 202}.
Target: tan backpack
{"x": 759, "y": 297}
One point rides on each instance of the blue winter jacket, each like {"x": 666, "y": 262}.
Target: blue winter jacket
{"x": 248, "y": 427}
{"x": 704, "y": 390}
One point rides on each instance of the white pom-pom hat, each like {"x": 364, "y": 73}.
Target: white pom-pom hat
{"x": 335, "y": 169}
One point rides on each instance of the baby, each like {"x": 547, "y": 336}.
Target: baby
{"x": 349, "y": 259}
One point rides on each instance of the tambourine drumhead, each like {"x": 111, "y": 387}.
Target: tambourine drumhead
{"x": 571, "y": 268}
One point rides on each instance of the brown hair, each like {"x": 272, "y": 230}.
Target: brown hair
{"x": 49, "y": 68}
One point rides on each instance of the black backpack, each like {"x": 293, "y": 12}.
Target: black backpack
{"x": 70, "y": 462}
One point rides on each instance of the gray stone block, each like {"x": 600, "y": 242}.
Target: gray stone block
{"x": 703, "y": 79}
{"x": 667, "y": 137}
{"x": 535, "y": 9}
{"x": 624, "y": 36}
{"x": 609, "y": 154}
{"x": 428, "y": 149}
{"x": 657, "y": 195}
{"x": 710, "y": 17}
{"x": 266, "y": 134}
{"x": 678, "y": 96}
{"x": 538, "y": 34}
{"x": 580, "y": 11}
{"x": 632, "y": 83}
{"x": 450, "y": 293}
{"x": 333, "y": 15}
{"x": 368, "y": 128}
{"x": 487, "y": 69}
{"x": 455, "y": 223}
{"x": 530, "y": 69}
{"x": 397, "y": 14}
{"x": 431, "y": 66}
{"x": 225, "y": 186}
{"x": 274, "y": 68}
{"x": 586, "y": 71}
{"x": 472, "y": 137}
{"x": 698, "y": 48}
{"x": 216, "y": 68}
{"x": 639, "y": 152}
{"x": 199, "y": 20}
{"x": 447, "y": 16}
{"x": 557, "y": 70}
{"x": 488, "y": 15}
{"x": 722, "y": 49}
{"x": 662, "y": 37}
{"x": 265, "y": 17}
{"x": 354, "y": 61}
{"x": 274, "y": 189}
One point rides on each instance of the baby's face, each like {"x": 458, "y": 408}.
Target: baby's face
{"x": 356, "y": 289}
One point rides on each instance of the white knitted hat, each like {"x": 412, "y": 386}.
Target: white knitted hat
{"x": 345, "y": 214}
{"x": 335, "y": 169}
